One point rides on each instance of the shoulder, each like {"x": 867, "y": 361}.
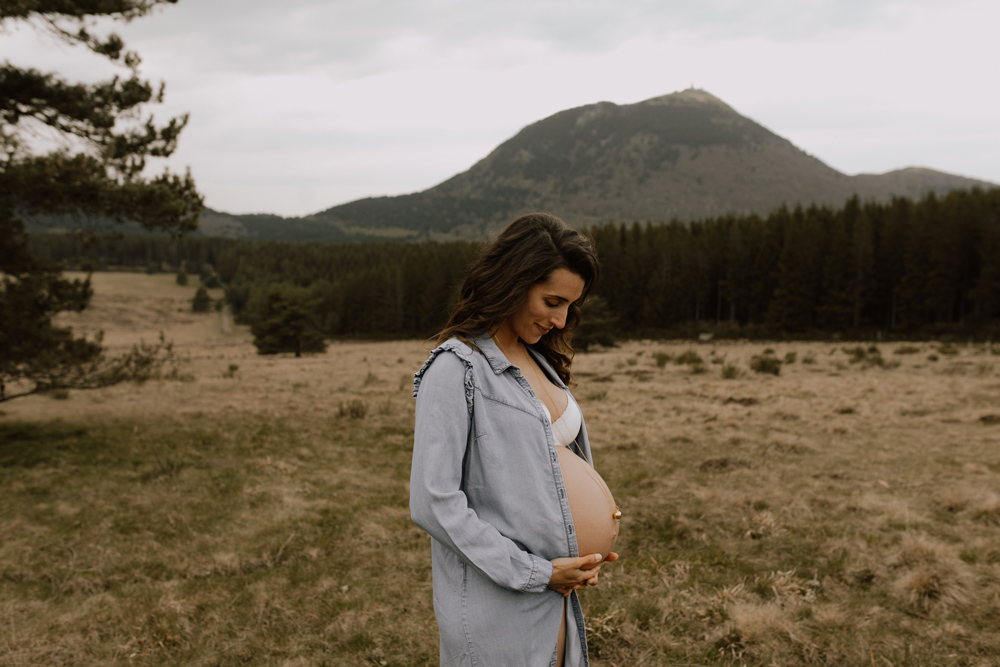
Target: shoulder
{"x": 452, "y": 361}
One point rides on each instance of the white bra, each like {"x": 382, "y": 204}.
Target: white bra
{"x": 566, "y": 428}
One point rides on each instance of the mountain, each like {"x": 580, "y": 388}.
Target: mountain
{"x": 687, "y": 155}
{"x": 270, "y": 227}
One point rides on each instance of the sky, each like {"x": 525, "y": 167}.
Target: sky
{"x": 300, "y": 105}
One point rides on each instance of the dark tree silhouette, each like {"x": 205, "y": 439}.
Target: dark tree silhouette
{"x": 286, "y": 321}
{"x": 99, "y": 179}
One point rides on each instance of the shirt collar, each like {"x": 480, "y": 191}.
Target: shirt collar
{"x": 499, "y": 363}
{"x": 491, "y": 351}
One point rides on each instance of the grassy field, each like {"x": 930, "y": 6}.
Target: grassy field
{"x": 253, "y": 510}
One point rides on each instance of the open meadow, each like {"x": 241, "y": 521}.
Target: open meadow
{"x": 252, "y": 510}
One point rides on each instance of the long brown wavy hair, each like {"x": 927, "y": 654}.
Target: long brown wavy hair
{"x": 525, "y": 253}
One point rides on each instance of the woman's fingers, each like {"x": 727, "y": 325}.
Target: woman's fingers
{"x": 576, "y": 574}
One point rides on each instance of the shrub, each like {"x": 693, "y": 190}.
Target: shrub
{"x": 353, "y": 409}
{"x": 868, "y": 357}
{"x": 765, "y": 363}
{"x": 662, "y": 359}
{"x": 231, "y": 371}
{"x": 791, "y": 357}
{"x": 202, "y": 302}
{"x": 690, "y": 357}
{"x": 809, "y": 358}
{"x": 211, "y": 281}
{"x": 182, "y": 277}
{"x": 855, "y": 354}
{"x": 731, "y": 372}
{"x": 906, "y": 349}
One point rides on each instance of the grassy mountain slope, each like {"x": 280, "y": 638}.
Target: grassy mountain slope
{"x": 687, "y": 155}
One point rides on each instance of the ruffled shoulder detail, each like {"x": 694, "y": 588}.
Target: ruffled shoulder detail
{"x": 463, "y": 352}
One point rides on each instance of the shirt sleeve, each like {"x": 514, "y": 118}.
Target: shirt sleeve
{"x": 437, "y": 502}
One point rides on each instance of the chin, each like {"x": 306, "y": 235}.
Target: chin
{"x": 538, "y": 334}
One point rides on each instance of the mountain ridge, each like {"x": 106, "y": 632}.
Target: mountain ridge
{"x": 686, "y": 155}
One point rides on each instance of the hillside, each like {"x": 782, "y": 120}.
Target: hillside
{"x": 686, "y": 155}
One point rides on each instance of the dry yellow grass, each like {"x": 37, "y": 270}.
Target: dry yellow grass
{"x": 837, "y": 513}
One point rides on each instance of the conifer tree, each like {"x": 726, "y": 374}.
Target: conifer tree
{"x": 793, "y": 304}
{"x": 597, "y": 326}
{"x": 202, "y": 302}
{"x": 846, "y": 268}
{"x": 98, "y": 176}
{"x": 285, "y": 319}
{"x": 985, "y": 294}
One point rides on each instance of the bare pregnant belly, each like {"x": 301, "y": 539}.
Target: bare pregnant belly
{"x": 595, "y": 514}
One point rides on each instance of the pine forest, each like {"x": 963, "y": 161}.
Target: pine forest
{"x": 903, "y": 268}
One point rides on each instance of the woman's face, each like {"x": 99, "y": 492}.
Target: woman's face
{"x": 547, "y": 305}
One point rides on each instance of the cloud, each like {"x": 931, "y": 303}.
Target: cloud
{"x": 346, "y": 98}
{"x": 350, "y": 38}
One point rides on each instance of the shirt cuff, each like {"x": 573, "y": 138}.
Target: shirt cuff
{"x": 541, "y": 575}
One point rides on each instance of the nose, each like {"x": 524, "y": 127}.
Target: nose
{"x": 558, "y": 319}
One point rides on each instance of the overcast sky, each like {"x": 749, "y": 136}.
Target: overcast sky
{"x": 300, "y": 105}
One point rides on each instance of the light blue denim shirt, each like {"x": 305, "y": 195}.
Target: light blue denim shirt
{"x": 486, "y": 485}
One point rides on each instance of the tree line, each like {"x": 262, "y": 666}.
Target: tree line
{"x": 904, "y": 267}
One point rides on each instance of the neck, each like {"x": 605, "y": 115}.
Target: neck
{"x": 506, "y": 339}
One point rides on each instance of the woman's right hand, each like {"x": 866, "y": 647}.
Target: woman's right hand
{"x": 572, "y": 574}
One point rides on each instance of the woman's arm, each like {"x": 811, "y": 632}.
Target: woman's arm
{"x": 437, "y": 502}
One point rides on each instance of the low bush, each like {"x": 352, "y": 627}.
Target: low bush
{"x": 868, "y": 357}
{"x": 690, "y": 358}
{"x": 731, "y": 372}
{"x": 353, "y": 409}
{"x": 765, "y": 363}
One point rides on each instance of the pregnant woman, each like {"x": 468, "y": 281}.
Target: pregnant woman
{"x": 502, "y": 476}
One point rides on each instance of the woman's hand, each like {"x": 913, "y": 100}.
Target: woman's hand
{"x": 574, "y": 574}
{"x": 612, "y": 556}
